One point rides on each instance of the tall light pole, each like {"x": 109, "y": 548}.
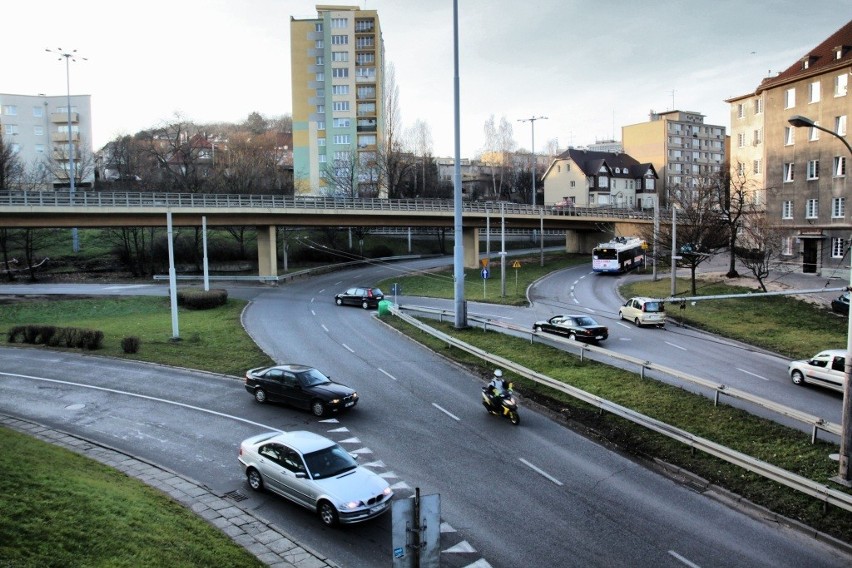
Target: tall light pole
{"x": 843, "y": 474}
{"x": 69, "y": 57}
{"x": 458, "y": 245}
{"x": 532, "y": 120}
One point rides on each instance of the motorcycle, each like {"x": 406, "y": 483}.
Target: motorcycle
{"x": 501, "y": 405}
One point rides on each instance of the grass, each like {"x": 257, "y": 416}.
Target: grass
{"x": 77, "y": 512}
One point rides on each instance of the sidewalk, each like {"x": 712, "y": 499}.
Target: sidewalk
{"x": 269, "y": 543}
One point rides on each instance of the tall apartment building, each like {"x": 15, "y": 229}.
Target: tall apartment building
{"x": 36, "y": 127}
{"x": 337, "y": 65}
{"x": 806, "y": 175}
{"x": 748, "y": 148}
{"x": 684, "y": 151}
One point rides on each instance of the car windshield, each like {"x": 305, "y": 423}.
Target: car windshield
{"x": 329, "y": 462}
{"x": 586, "y": 321}
{"x": 313, "y": 377}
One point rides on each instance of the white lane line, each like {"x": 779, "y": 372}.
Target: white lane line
{"x": 386, "y": 373}
{"x": 684, "y": 560}
{"x": 447, "y": 412}
{"x": 325, "y": 329}
{"x": 622, "y": 324}
{"x": 540, "y": 472}
{"x": 677, "y": 346}
{"x": 313, "y": 313}
{"x": 146, "y": 397}
{"x": 346, "y": 346}
{"x": 752, "y": 374}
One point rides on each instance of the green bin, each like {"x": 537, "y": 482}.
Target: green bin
{"x": 384, "y": 307}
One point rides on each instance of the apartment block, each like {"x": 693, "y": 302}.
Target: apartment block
{"x": 337, "y": 80}
{"x": 805, "y": 179}
{"x": 685, "y": 152}
{"x": 36, "y": 128}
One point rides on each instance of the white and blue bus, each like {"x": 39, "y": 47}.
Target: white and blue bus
{"x": 621, "y": 254}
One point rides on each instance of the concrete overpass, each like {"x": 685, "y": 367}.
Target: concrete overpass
{"x": 584, "y": 227}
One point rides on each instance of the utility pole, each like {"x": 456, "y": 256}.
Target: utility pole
{"x": 532, "y": 120}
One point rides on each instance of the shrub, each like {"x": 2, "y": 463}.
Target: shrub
{"x": 130, "y": 344}
{"x": 380, "y": 251}
{"x": 57, "y": 336}
{"x": 195, "y": 299}
{"x": 16, "y": 334}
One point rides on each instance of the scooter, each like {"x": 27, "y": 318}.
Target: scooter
{"x": 501, "y": 405}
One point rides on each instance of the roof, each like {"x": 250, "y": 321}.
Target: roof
{"x": 302, "y": 440}
{"x": 591, "y": 161}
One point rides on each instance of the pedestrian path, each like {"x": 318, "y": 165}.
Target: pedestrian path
{"x": 266, "y": 541}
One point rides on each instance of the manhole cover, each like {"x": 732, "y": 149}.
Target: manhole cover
{"x": 77, "y": 406}
{"x": 235, "y": 496}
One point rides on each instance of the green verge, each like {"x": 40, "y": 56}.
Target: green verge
{"x": 59, "y": 509}
{"x": 211, "y": 340}
{"x": 763, "y": 439}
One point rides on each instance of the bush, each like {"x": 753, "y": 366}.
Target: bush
{"x": 380, "y": 251}
{"x": 195, "y": 299}
{"x": 16, "y": 334}
{"x": 53, "y": 336}
{"x": 131, "y": 344}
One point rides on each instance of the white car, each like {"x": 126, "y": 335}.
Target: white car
{"x": 316, "y": 473}
{"x": 826, "y": 368}
{"x": 643, "y": 311}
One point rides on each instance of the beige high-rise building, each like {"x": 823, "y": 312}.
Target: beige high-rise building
{"x": 337, "y": 62}
{"x": 684, "y": 151}
{"x": 36, "y": 128}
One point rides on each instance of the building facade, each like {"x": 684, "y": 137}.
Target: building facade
{"x": 584, "y": 178}
{"x": 36, "y": 128}
{"x": 748, "y": 146}
{"x": 337, "y": 80}
{"x": 685, "y": 152}
{"x": 806, "y": 183}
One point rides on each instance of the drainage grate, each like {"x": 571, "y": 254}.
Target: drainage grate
{"x": 235, "y": 496}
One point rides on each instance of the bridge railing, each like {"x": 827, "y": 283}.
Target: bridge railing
{"x": 239, "y": 200}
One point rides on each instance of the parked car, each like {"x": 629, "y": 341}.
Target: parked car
{"x": 564, "y": 207}
{"x": 300, "y": 386}
{"x": 316, "y": 473}
{"x": 360, "y": 296}
{"x": 574, "y": 327}
{"x": 826, "y": 368}
{"x": 840, "y": 304}
{"x": 643, "y": 311}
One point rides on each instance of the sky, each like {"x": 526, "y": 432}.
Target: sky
{"x": 587, "y": 68}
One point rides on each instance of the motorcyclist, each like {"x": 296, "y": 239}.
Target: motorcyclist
{"x": 498, "y": 386}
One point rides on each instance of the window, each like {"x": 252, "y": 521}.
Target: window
{"x": 813, "y": 169}
{"x": 320, "y": 60}
{"x": 365, "y": 58}
{"x": 340, "y": 40}
{"x": 840, "y": 85}
{"x": 790, "y": 98}
{"x": 340, "y": 72}
{"x": 342, "y": 139}
{"x": 839, "y": 166}
{"x": 813, "y": 133}
{"x": 10, "y": 110}
{"x": 340, "y": 89}
{"x": 813, "y": 92}
{"x": 320, "y": 78}
{"x": 788, "y": 135}
{"x": 320, "y": 109}
{"x": 339, "y": 23}
{"x": 342, "y": 122}
{"x": 838, "y": 246}
{"x": 812, "y": 209}
{"x": 789, "y": 172}
{"x": 787, "y": 246}
{"x": 38, "y": 112}
{"x": 12, "y": 129}
{"x": 840, "y": 125}
{"x": 319, "y": 44}
{"x": 740, "y": 169}
{"x": 838, "y": 207}
{"x": 740, "y": 111}
{"x": 787, "y": 210}
{"x": 320, "y": 141}
{"x": 758, "y": 106}
{"x": 758, "y": 136}
{"x": 340, "y": 56}
{"x": 39, "y": 148}
{"x": 321, "y": 125}
{"x": 741, "y": 140}
{"x": 322, "y": 158}
{"x": 757, "y": 168}
{"x": 365, "y": 140}
{"x": 340, "y": 105}
{"x": 318, "y": 27}
{"x": 369, "y": 72}
{"x": 38, "y": 130}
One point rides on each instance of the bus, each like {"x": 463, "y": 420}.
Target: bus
{"x": 621, "y": 254}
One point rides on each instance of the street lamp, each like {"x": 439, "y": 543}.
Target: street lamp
{"x": 843, "y": 475}
{"x": 532, "y": 120}
{"x": 69, "y": 56}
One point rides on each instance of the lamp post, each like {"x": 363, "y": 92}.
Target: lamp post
{"x": 843, "y": 474}
{"x": 532, "y": 120}
{"x": 69, "y": 57}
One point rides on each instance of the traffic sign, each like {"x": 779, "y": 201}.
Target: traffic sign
{"x": 485, "y": 273}
{"x": 483, "y": 262}
{"x": 516, "y": 264}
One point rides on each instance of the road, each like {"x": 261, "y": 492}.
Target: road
{"x": 535, "y": 495}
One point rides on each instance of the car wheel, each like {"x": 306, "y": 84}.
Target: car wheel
{"x": 620, "y": 315}
{"x": 637, "y": 322}
{"x": 798, "y": 377}
{"x": 327, "y": 513}
{"x": 537, "y": 328}
{"x": 572, "y": 336}
{"x": 260, "y": 395}
{"x": 255, "y": 481}
{"x": 318, "y": 408}
{"x": 365, "y": 305}
{"x": 338, "y": 301}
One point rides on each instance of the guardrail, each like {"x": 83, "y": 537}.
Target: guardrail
{"x": 818, "y": 491}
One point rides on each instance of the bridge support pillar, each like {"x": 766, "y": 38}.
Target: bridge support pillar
{"x": 572, "y": 242}
{"x": 470, "y": 242}
{"x": 267, "y": 251}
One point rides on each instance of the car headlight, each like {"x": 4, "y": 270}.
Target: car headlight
{"x": 353, "y": 505}
{"x": 387, "y": 491}
{"x": 334, "y": 401}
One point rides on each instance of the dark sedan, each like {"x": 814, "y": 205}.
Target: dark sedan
{"x": 840, "y": 305}
{"x": 365, "y": 297}
{"x": 300, "y": 386}
{"x": 574, "y": 327}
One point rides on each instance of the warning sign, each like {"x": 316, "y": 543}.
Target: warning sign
{"x": 483, "y": 262}
{"x": 516, "y": 264}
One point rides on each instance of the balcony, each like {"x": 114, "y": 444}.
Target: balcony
{"x": 62, "y": 136}
{"x": 62, "y": 117}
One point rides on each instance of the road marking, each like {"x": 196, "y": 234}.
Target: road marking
{"x": 448, "y": 413}
{"x": 677, "y": 346}
{"x": 684, "y": 560}
{"x": 346, "y": 346}
{"x": 752, "y": 374}
{"x": 622, "y": 324}
{"x": 540, "y": 472}
{"x": 386, "y": 373}
{"x": 325, "y": 328}
{"x": 313, "y": 313}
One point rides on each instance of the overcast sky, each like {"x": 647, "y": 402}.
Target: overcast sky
{"x": 589, "y": 67}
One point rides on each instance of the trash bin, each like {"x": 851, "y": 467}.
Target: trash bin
{"x": 384, "y": 307}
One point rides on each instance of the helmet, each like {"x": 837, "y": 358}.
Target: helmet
{"x": 498, "y": 373}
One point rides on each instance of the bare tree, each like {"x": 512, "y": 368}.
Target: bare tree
{"x": 11, "y": 167}
{"x": 341, "y": 176}
{"x": 499, "y": 144}
{"x": 420, "y": 137}
{"x": 57, "y": 164}
{"x": 761, "y": 245}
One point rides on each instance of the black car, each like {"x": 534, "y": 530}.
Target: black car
{"x": 840, "y": 304}
{"x": 300, "y": 386}
{"x": 360, "y": 296}
{"x": 575, "y": 327}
